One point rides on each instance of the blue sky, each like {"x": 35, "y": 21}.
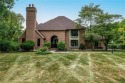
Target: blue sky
{"x": 49, "y": 9}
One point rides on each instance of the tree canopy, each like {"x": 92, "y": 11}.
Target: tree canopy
{"x": 10, "y": 22}
{"x": 99, "y": 22}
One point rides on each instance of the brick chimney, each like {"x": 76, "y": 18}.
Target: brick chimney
{"x": 30, "y": 22}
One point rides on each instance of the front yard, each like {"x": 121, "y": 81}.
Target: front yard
{"x": 81, "y": 67}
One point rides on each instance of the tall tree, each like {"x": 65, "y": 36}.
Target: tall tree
{"x": 98, "y": 22}
{"x": 5, "y": 5}
{"x": 10, "y": 22}
{"x": 106, "y": 23}
{"x": 11, "y": 26}
{"x": 88, "y": 15}
{"x": 121, "y": 32}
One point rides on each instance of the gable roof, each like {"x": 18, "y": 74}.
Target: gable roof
{"x": 58, "y": 23}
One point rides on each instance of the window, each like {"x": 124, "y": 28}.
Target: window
{"x": 23, "y": 40}
{"x": 74, "y": 32}
{"x": 38, "y": 42}
{"x": 74, "y": 43}
{"x": 74, "y": 38}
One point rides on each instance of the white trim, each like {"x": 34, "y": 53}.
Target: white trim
{"x": 73, "y": 39}
{"x": 39, "y": 33}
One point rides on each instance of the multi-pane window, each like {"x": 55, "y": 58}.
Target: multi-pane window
{"x": 74, "y": 38}
{"x": 38, "y": 42}
{"x": 74, "y": 42}
{"x": 74, "y": 32}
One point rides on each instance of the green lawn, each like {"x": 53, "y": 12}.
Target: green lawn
{"x": 81, "y": 67}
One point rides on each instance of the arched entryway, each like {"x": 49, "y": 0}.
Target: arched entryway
{"x": 54, "y": 41}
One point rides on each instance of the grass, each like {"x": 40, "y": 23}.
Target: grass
{"x": 76, "y": 67}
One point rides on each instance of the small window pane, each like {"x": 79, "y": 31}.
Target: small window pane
{"x": 74, "y": 42}
{"x": 74, "y": 32}
{"x": 38, "y": 42}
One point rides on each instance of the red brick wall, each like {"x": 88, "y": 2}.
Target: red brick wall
{"x": 49, "y": 34}
{"x": 81, "y": 37}
{"x": 41, "y": 40}
{"x": 101, "y": 44}
{"x": 67, "y": 39}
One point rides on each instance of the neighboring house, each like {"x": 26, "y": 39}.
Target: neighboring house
{"x": 59, "y": 29}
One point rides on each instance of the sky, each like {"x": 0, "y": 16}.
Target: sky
{"x": 49, "y": 9}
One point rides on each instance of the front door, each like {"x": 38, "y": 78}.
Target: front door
{"x": 54, "y": 41}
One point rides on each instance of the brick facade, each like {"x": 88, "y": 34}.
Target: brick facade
{"x": 59, "y": 27}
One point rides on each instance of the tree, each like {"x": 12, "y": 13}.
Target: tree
{"x": 98, "y": 22}
{"x": 92, "y": 37}
{"x": 10, "y": 22}
{"x": 11, "y": 26}
{"x": 88, "y": 15}
{"x": 106, "y": 25}
{"x": 121, "y": 31}
{"x": 5, "y": 5}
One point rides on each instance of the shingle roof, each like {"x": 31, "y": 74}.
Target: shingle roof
{"x": 59, "y": 23}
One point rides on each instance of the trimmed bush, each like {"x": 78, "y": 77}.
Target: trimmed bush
{"x": 4, "y": 45}
{"x": 47, "y": 44}
{"x": 61, "y": 46}
{"x": 82, "y": 46}
{"x": 27, "y": 45}
{"x": 43, "y": 51}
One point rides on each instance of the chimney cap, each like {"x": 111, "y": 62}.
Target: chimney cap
{"x": 29, "y": 5}
{"x": 32, "y": 5}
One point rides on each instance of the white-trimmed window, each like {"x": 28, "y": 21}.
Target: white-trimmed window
{"x": 74, "y": 38}
{"x": 74, "y": 43}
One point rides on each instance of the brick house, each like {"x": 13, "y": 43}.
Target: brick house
{"x": 56, "y": 30}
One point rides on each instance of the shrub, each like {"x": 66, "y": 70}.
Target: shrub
{"x": 122, "y": 46}
{"x": 47, "y": 44}
{"x": 43, "y": 51}
{"x": 14, "y": 46}
{"x": 27, "y": 45}
{"x": 61, "y": 46}
{"x": 4, "y": 45}
{"x": 112, "y": 46}
{"x": 82, "y": 46}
